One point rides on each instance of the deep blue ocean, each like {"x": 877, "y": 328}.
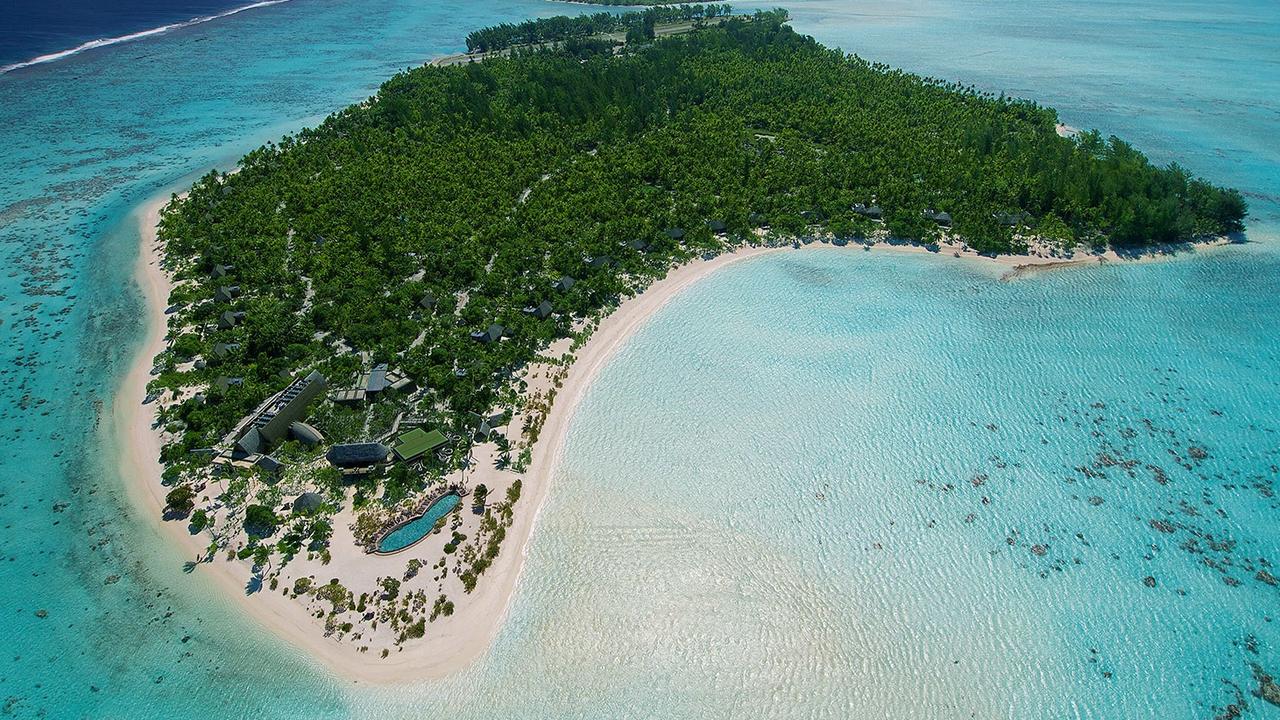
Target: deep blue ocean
{"x": 883, "y": 486}
{"x": 31, "y": 29}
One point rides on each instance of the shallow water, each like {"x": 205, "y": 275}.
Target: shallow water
{"x": 685, "y": 564}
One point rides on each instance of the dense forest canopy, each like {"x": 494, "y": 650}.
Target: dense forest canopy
{"x": 480, "y": 185}
{"x": 560, "y": 28}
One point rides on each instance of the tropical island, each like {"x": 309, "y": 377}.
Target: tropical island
{"x": 370, "y": 322}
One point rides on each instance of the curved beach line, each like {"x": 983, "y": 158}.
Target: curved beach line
{"x": 105, "y": 42}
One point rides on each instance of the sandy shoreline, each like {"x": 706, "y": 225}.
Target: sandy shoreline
{"x": 483, "y": 612}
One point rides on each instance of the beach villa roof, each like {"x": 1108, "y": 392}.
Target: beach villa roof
{"x": 675, "y": 233}
{"x": 600, "y": 261}
{"x": 228, "y": 319}
{"x": 357, "y": 455}
{"x": 716, "y": 226}
{"x": 222, "y": 270}
{"x": 565, "y": 283}
{"x": 639, "y": 244}
{"x": 307, "y": 503}
{"x": 417, "y": 442}
{"x": 493, "y": 333}
{"x": 227, "y": 293}
{"x": 226, "y": 382}
{"x": 756, "y": 219}
{"x": 485, "y": 424}
{"x": 224, "y": 349}
{"x": 541, "y": 311}
{"x": 873, "y": 212}
{"x": 1014, "y": 219}
{"x": 428, "y": 300}
{"x": 938, "y": 217}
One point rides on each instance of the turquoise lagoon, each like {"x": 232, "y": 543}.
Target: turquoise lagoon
{"x": 772, "y": 502}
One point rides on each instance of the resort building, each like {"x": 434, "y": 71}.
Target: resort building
{"x": 640, "y": 245}
{"x": 381, "y": 378}
{"x": 273, "y": 421}
{"x": 227, "y": 293}
{"x": 415, "y": 443}
{"x": 717, "y": 226}
{"x": 358, "y": 456}
{"x": 305, "y": 434}
{"x": 676, "y": 234}
{"x": 288, "y": 407}
{"x": 353, "y": 396}
{"x": 223, "y": 383}
{"x": 600, "y": 261}
{"x": 565, "y": 283}
{"x": 221, "y": 271}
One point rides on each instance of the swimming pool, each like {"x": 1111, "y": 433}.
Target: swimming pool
{"x": 410, "y": 532}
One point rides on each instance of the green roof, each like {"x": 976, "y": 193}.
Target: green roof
{"x": 417, "y": 441}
